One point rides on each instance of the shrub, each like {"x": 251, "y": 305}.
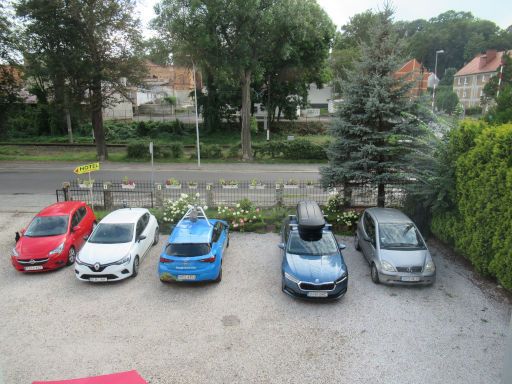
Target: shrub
{"x": 174, "y": 210}
{"x": 479, "y": 226}
{"x": 303, "y": 149}
{"x": 244, "y": 213}
{"x": 141, "y": 151}
{"x": 210, "y": 151}
{"x": 137, "y": 151}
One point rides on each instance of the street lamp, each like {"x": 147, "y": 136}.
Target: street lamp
{"x": 197, "y": 119}
{"x": 435, "y": 79}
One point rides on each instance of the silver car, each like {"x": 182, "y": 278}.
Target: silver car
{"x": 394, "y": 248}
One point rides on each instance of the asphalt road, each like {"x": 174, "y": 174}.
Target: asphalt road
{"x": 27, "y": 185}
{"x": 245, "y": 330}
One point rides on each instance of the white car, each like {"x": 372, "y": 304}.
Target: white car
{"x": 117, "y": 245}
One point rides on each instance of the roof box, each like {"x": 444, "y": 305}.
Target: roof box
{"x": 309, "y": 216}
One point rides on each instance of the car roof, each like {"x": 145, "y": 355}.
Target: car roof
{"x": 62, "y": 208}
{"x": 124, "y": 215}
{"x": 388, "y": 215}
{"x": 192, "y": 232}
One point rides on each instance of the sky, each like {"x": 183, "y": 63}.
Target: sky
{"x": 499, "y": 11}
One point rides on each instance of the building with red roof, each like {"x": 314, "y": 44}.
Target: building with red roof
{"x": 470, "y": 80}
{"x": 413, "y": 71}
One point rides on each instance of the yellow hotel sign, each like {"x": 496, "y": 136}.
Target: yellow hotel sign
{"x": 87, "y": 168}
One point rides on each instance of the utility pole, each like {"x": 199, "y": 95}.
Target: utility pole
{"x": 435, "y": 80}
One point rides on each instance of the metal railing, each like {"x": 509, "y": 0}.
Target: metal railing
{"x": 114, "y": 194}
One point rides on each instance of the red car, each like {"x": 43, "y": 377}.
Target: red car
{"x": 53, "y": 237}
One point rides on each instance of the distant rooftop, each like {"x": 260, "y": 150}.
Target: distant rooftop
{"x": 486, "y": 62}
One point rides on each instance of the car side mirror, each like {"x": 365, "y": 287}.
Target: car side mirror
{"x": 76, "y": 228}
{"x": 17, "y": 237}
{"x": 86, "y": 237}
{"x": 141, "y": 237}
{"x": 281, "y": 245}
{"x": 341, "y": 246}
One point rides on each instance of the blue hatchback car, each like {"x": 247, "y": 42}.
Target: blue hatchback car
{"x": 313, "y": 266}
{"x": 195, "y": 249}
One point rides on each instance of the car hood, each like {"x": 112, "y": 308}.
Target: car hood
{"x": 310, "y": 268}
{"x": 103, "y": 253}
{"x": 404, "y": 258}
{"x": 37, "y": 247}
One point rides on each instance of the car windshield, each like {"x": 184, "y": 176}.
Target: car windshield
{"x": 326, "y": 245}
{"x": 43, "y": 226}
{"x": 112, "y": 233}
{"x": 399, "y": 235}
{"x": 187, "y": 250}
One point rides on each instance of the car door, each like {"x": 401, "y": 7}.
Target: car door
{"x": 143, "y": 229}
{"x": 368, "y": 244}
{"x": 140, "y": 245}
{"x": 78, "y": 230}
{"x": 223, "y": 236}
{"x": 215, "y": 242}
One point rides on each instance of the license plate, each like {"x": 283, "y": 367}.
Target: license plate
{"x": 317, "y": 294}
{"x": 34, "y": 268}
{"x": 186, "y": 277}
{"x": 410, "y": 278}
{"x": 98, "y": 279}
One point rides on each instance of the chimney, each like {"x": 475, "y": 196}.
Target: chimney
{"x": 482, "y": 60}
{"x": 491, "y": 54}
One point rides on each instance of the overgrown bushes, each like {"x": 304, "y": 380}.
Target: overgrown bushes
{"x": 480, "y": 223}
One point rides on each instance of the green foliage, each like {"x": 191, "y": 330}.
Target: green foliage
{"x": 239, "y": 216}
{"x": 479, "y": 224}
{"x": 291, "y": 150}
{"x": 171, "y": 100}
{"x": 446, "y": 99}
{"x": 473, "y": 111}
{"x": 210, "y": 151}
{"x": 174, "y": 210}
{"x": 377, "y": 129}
{"x": 141, "y": 151}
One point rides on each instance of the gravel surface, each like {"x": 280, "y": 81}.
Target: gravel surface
{"x": 245, "y": 329}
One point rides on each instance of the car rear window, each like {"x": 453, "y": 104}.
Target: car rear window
{"x": 187, "y": 250}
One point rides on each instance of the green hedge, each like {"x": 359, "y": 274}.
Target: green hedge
{"x": 141, "y": 151}
{"x": 480, "y": 226}
{"x": 292, "y": 150}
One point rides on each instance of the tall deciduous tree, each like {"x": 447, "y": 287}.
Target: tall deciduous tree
{"x": 376, "y": 129}
{"x": 92, "y": 46}
{"x": 233, "y": 40}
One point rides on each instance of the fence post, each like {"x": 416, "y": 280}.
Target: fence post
{"x": 210, "y": 200}
{"x": 347, "y": 195}
{"x": 108, "y": 200}
{"x": 65, "y": 189}
{"x": 159, "y": 195}
{"x": 279, "y": 195}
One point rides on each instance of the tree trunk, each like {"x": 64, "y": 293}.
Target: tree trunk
{"x": 381, "y": 195}
{"x": 97, "y": 121}
{"x": 246, "y": 116}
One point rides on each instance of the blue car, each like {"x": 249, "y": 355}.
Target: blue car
{"x": 195, "y": 249}
{"x": 313, "y": 266}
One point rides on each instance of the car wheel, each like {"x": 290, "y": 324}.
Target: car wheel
{"x": 157, "y": 236}
{"x": 375, "y": 274}
{"x": 356, "y": 243}
{"x": 219, "y": 278}
{"x": 71, "y": 256}
{"x": 135, "y": 266}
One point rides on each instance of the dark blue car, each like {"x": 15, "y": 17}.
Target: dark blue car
{"x": 313, "y": 266}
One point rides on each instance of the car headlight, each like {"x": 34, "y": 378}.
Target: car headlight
{"x": 77, "y": 260}
{"x": 124, "y": 260}
{"x": 342, "y": 278}
{"x": 14, "y": 252}
{"x": 57, "y": 250}
{"x": 291, "y": 278}
{"x": 387, "y": 266}
{"x": 430, "y": 266}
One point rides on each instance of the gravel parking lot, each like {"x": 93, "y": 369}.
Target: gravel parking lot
{"x": 245, "y": 329}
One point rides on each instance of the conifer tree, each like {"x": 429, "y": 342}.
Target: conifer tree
{"x": 376, "y": 130}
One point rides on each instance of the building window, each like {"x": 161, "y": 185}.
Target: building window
{"x": 481, "y": 92}
{"x": 464, "y": 94}
{"x": 465, "y": 80}
{"x": 483, "y": 78}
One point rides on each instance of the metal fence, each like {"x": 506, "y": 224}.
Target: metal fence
{"x": 114, "y": 194}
